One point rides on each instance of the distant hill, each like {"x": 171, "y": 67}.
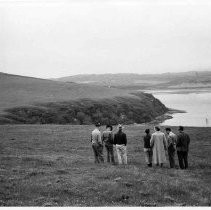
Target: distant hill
{"x": 145, "y": 81}
{"x": 18, "y": 90}
{"x": 33, "y": 100}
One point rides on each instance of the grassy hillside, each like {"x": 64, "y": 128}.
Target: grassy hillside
{"x": 19, "y": 90}
{"x": 53, "y": 165}
{"x": 146, "y": 81}
{"x": 35, "y": 101}
{"x": 138, "y": 109}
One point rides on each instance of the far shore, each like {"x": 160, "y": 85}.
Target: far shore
{"x": 178, "y": 90}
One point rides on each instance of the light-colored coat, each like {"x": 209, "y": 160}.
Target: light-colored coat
{"x": 158, "y": 143}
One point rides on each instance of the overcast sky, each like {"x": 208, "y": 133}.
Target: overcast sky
{"x": 53, "y": 38}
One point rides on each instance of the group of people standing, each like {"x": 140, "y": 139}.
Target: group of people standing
{"x": 155, "y": 146}
{"x": 108, "y": 139}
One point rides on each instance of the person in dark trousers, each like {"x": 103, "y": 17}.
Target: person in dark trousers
{"x": 97, "y": 145}
{"x": 182, "y": 145}
{"x": 120, "y": 140}
{"x": 171, "y": 144}
{"x": 147, "y": 148}
{"x": 108, "y": 141}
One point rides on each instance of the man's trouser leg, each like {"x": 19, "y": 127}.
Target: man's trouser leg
{"x": 180, "y": 158}
{"x": 108, "y": 153}
{"x": 112, "y": 155}
{"x": 147, "y": 157}
{"x": 171, "y": 155}
{"x": 118, "y": 151}
{"x": 100, "y": 153}
{"x": 124, "y": 154}
{"x": 111, "y": 152}
{"x": 150, "y": 157}
{"x": 94, "y": 147}
{"x": 185, "y": 157}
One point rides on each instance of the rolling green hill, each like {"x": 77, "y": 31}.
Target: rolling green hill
{"x": 18, "y": 90}
{"x": 28, "y": 100}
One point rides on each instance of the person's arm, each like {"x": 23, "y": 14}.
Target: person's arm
{"x": 125, "y": 139}
{"x": 164, "y": 142}
{"x": 152, "y": 141}
{"x": 188, "y": 141}
{"x": 103, "y": 137}
{"x": 99, "y": 138}
{"x": 175, "y": 140}
{"x": 91, "y": 137}
{"x": 178, "y": 140}
{"x": 114, "y": 139}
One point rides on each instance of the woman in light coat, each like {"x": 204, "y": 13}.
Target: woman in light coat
{"x": 158, "y": 143}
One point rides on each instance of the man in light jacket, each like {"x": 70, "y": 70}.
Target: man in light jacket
{"x": 171, "y": 140}
{"x": 97, "y": 145}
{"x": 120, "y": 140}
{"x": 159, "y": 146}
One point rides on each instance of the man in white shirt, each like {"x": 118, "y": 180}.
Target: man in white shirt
{"x": 97, "y": 145}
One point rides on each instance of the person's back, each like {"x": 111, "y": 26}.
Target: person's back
{"x": 183, "y": 141}
{"x": 120, "y": 138}
{"x": 159, "y": 145}
{"x": 182, "y": 145}
{"x": 147, "y": 148}
{"x": 107, "y": 137}
{"x": 147, "y": 138}
{"x": 97, "y": 144}
{"x": 96, "y": 136}
{"x": 159, "y": 138}
{"x": 171, "y": 140}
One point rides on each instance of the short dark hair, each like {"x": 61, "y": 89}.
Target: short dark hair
{"x": 109, "y": 126}
{"x": 97, "y": 124}
{"x": 168, "y": 129}
{"x": 181, "y": 128}
{"x": 147, "y": 131}
{"x": 157, "y": 128}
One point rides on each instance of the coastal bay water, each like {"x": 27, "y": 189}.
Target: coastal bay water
{"x": 196, "y": 103}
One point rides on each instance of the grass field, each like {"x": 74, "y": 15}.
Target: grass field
{"x": 53, "y": 165}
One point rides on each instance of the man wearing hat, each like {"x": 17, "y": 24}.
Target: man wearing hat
{"x": 97, "y": 145}
{"x": 120, "y": 140}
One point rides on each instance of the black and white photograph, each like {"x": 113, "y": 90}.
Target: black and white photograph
{"x": 105, "y": 103}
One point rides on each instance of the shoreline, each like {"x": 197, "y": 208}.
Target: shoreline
{"x": 166, "y": 116}
{"x": 188, "y": 90}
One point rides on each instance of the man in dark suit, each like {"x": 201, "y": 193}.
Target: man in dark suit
{"x": 182, "y": 145}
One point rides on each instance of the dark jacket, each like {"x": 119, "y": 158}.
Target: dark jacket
{"x": 147, "y": 138}
{"x": 120, "y": 138}
{"x": 183, "y": 141}
{"x": 108, "y": 138}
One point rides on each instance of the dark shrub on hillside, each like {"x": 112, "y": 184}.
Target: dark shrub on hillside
{"x": 138, "y": 109}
